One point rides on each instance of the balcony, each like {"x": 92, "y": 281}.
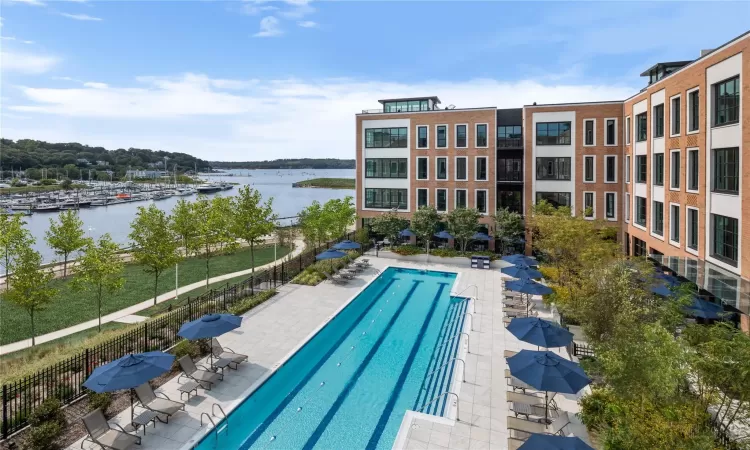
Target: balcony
{"x": 514, "y": 142}
{"x": 510, "y": 170}
{"x": 510, "y": 176}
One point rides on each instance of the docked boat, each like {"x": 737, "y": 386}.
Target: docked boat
{"x": 209, "y": 188}
{"x": 47, "y": 207}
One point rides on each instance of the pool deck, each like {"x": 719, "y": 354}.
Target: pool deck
{"x": 273, "y": 331}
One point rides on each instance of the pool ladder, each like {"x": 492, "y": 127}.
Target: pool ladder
{"x": 438, "y": 397}
{"x": 217, "y": 431}
{"x": 475, "y": 297}
{"x": 463, "y": 372}
{"x": 459, "y": 335}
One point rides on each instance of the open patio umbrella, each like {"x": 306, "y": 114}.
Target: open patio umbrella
{"x": 547, "y": 372}
{"x": 443, "y": 235}
{"x": 669, "y": 280}
{"x": 529, "y": 287}
{"x": 330, "y": 254}
{"x": 705, "y": 310}
{"x": 210, "y": 326}
{"x": 406, "y": 233}
{"x": 662, "y": 290}
{"x": 521, "y": 271}
{"x": 550, "y": 442}
{"x": 347, "y": 245}
{"x": 519, "y": 258}
{"x": 539, "y": 332}
{"x": 481, "y": 237}
{"x": 129, "y": 372}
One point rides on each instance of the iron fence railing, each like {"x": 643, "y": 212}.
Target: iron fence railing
{"x": 65, "y": 378}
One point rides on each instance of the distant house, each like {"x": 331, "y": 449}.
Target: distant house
{"x": 102, "y": 163}
{"x": 145, "y": 173}
{"x": 83, "y": 161}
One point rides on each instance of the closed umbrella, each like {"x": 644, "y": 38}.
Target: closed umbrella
{"x": 705, "y": 310}
{"x": 539, "y": 332}
{"x": 210, "y": 326}
{"x": 547, "y": 372}
{"x": 521, "y": 271}
{"x": 347, "y": 245}
{"x": 550, "y": 442}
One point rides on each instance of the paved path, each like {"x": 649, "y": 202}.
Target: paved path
{"x": 299, "y": 246}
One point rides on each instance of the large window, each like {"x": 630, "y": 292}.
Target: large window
{"x": 422, "y": 195}
{"x": 641, "y": 123}
{"x": 640, "y": 211}
{"x": 674, "y": 223}
{"x": 726, "y": 170}
{"x": 407, "y": 106}
{"x": 509, "y": 136}
{"x": 658, "y": 226}
{"x": 674, "y": 169}
{"x": 553, "y": 133}
{"x": 481, "y": 200}
{"x": 461, "y": 170}
{"x": 481, "y": 135}
{"x": 589, "y": 169}
{"x": 658, "y": 169}
{"x": 442, "y": 136}
{"x": 441, "y": 196}
{"x": 385, "y": 168}
{"x": 589, "y": 208}
{"x": 725, "y": 239}
{"x": 422, "y": 171}
{"x": 441, "y": 165}
{"x": 610, "y": 205}
{"x": 639, "y": 247}
{"x": 461, "y": 198}
{"x": 659, "y": 121}
{"x": 694, "y": 111}
{"x": 610, "y": 169}
{"x": 727, "y": 101}
{"x": 588, "y": 126}
{"x": 610, "y": 132}
{"x": 510, "y": 199}
{"x": 385, "y": 138}
{"x": 384, "y": 198}
{"x": 692, "y": 229}
{"x": 640, "y": 168}
{"x": 674, "y": 113}
{"x": 553, "y": 168}
{"x": 422, "y": 136}
{"x": 555, "y": 199}
{"x": 460, "y": 136}
{"x": 481, "y": 168}
{"x": 509, "y": 169}
{"x": 692, "y": 173}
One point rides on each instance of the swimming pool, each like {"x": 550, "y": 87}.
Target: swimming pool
{"x": 390, "y": 350}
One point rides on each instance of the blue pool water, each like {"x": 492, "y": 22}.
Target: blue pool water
{"x": 350, "y": 385}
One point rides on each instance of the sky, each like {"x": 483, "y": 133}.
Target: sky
{"x": 259, "y": 79}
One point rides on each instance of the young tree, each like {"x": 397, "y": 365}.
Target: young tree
{"x": 29, "y": 284}
{"x": 66, "y": 236}
{"x": 184, "y": 225}
{"x": 389, "y": 225}
{"x": 213, "y": 228}
{"x": 463, "y": 224}
{"x": 508, "y": 225}
{"x": 252, "y": 219}
{"x": 13, "y": 238}
{"x": 99, "y": 270}
{"x": 340, "y": 214}
{"x": 424, "y": 223}
{"x": 154, "y": 244}
{"x": 313, "y": 224}
{"x": 223, "y": 217}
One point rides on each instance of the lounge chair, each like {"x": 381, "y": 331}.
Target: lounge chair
{"x": 148, "y": 400}
{"x": 103, "y": 435}
{"x": 522, "y": 429}
{"x": 515, "y": 444}
{"x": 336, "y": 278}
{"x": 348, "y": 274}
{"x": 355, "y": 267}
{"x": 517, "y": 384}
{"x": 226, "y": 353}
{"x": 202, "y": 377}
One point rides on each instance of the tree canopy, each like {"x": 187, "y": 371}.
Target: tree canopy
{"x": 66, "y": 236}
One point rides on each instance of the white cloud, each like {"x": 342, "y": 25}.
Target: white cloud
{"x": 12, "y": 38}
{"x": 28, "y": 2}
{"x": 26, "y": 63}
{"x": 307, "y": 24}
{"x": 269, "y": 27}
{"x": 255, "y": 8}
{"x": 83, "y": 17}
{"x": 95, "y": 85}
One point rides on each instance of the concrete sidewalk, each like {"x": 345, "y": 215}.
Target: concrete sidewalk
{"x": 299, "y": 247}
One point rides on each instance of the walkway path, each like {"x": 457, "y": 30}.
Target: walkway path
{"x": 299, "y": 246}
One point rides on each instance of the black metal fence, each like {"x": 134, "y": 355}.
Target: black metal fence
{"x": 581, "y": 350}
{"x": 64, "y": 379}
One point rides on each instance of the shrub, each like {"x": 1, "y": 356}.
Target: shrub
{"x": 63, "y": 391}
{"x": 186, "y": 347}
{"x": 249, "y": 303}
{"x": 407, "y": 250}
{"x": 43, "y": 436}
{"x": 99, "y": 401}
{"x": 49, "y": 411}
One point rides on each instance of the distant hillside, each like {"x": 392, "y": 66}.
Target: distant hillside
{"x": 304, "y": 163}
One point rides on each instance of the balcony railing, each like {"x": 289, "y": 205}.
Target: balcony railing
{"x": 509, "y": 142}
{"x": 512, "y": 175}
{"x": 372, "y": 111}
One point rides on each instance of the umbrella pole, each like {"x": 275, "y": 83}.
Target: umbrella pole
{"x": 546, "y": 409}
{"x": 131, "y": 409}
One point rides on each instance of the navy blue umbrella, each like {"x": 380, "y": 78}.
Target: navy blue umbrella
{"x": 705, "y": 310}
{"x": 443, "y": 235}
{"x": 662, "y": 290}
{"x": 521, "y": 271}
{"x": 330, "y": 254}
{"x": 519, "y": 258}
{"x": 209, "y": 326}
{"x": 539, "y": 332}
{"x": 546, "y": 372}
{"x": 406, "y": 233}
{"x": 527, "y": 286}
{"x": 481, "y": 237}
{"x": 669, "y": 280}
{"x": 347, "y": 245}
{"x": 552, "y": 442}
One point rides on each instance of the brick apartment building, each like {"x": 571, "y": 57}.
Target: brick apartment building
{"x": 664, "y": 166}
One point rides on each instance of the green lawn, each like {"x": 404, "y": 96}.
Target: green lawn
{"x": 330, "y": 183}
{"x": 72, "y": 307}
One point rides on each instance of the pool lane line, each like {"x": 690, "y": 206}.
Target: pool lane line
{"x": 260, "y": 429}
{"x": 358, "y": 373}
{"x": 455, "y": 352}
{"x": 385, "y": 415}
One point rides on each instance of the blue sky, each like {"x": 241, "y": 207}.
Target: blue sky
{"x": 247, "y": 80}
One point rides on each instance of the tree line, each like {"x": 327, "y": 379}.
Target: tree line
{"x": 301, "y": 163}
{"x": 159, "y": 240}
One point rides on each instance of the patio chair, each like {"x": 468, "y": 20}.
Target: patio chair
{"x": 226, "y": 353}
{"x": 522, "y": 429}
{"x": 516, "y": 384}
{"x": 203, "y": 377}
{"x": 347, "y": 273}
{"x": 148, "y": 399}
{"x": 515, "y": 444}
{"x": 103, "y": 435}
{"x": 335, "y": 278}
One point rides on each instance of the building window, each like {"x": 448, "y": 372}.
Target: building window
{"x": 384, "y": 198}
{"x": 481, "y": 138}
{"x": 640, "y": 211}
{"x": 659, "y": 121}
{"x": 674, "y": 223}
{"x": 675, "y": 112}
{"x": 627, "y": 168}
{"x": 386, "y": 168}
{"x": 726, "y": 170}
{"x": 553, "y": 168}
{"x": 481, "y": 200}
{"x": 627, "y": 207}
{"x": 588, "y": 126}
{"x": 610, "y": 132}
{"x": 461, "y": 136}
{"x": 642, "y": 124}
{"x": 588, "y": 205}
{"x": 589, "y": 169}
{"x": 385, "y": 138}
{"x": 610, "y": 205}
{"x": 640, "y": 168}
{"x": 674, "y": 169}
{"x": 422, "y": 171}
{"x": 639, "y": 247}
{"x": 555, "y": 199}
{"x": 509, "y": 136}
{"x": 692, "y": 174}
{"x": 727, "y": 101}
{"x": 481, "y": 168}
{"x": 553, "y": 133}
{"x": 627, "y": 130}
{"x": 442, "y": 168}
{"x": 610, "y": 169}
{"x": 442, "y": 136}
{"x": 658, "y": 169}
{"x": 461, "y": 198}
{"x": 406, "y": 106}
{"x": 461, "y": 170}
{"x": 441, "y": 196}
{"x": 658, "y": 225}
{"x": 509, "y": 169}
{"x": 694, "y": 110}
{"x": 510, "y": 199}
{"x": 692, "y": 228}
{"x": 422, "y": 137}
{"x": 422, "y": 197}
{"x": 725, "y": 239}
